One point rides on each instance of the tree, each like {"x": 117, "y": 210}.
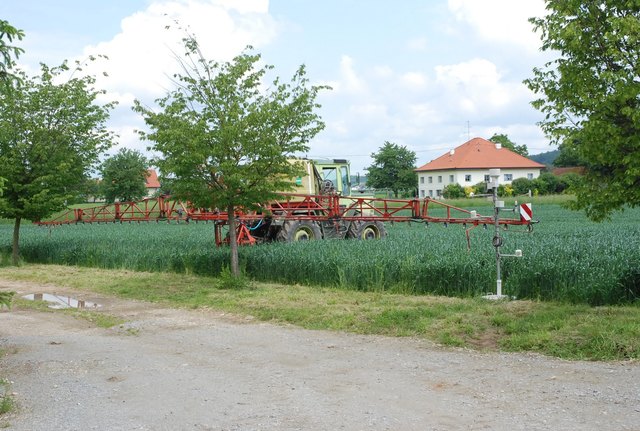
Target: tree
{"x": 92, "y": 190}
{"x": 590, "y": 96}
{"x": 124, "y": 176}
{"x": 8, "y": 52}
{"x": 393, "y": 168}
{"x": 225, "y": 141}
{"x": 568, "y": 156}
{"x": 504, "y": 140}
{"x": 51, "y": 133}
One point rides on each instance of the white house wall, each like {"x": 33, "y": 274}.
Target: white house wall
{"x": 432, "y": 183}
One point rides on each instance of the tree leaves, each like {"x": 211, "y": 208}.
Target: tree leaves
{"x": 124, "y": 176}
{"x": 219, "y": 131}
{"x": 590, "y": 96}
{"x": 393, "y": 168}
{"x": 50, "y": 135}
{"x": 8, "y": 52}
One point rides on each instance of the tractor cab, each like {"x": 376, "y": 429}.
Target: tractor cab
{"x": 335, "y": 175}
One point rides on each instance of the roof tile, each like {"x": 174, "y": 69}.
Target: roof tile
{"x": 479, "y": 153}
{"x": 152, "y": 179}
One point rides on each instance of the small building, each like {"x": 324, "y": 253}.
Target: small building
{"x": 152, "y": 184}
{"x": 469, "y": 164}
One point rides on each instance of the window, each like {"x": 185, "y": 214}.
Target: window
{"x": 508, "y": 177}
{"x": 438, "y": 193}
{"x": 330, "y": 174}
{"x": 439, "y": 178}
{"x": 450, "y": 178}
{"x": 421, "y": 180}
{"x": 467, "y": 178}
{"x": 430, "y": 180}
{"x": 421, "y": 193}
{"x": 346, "y": 181}
{"x": 529, "y": 176}
{"x": 430, "y": 193}
{"x": 487, "y": 178}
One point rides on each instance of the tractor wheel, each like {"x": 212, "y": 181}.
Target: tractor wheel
{"x": 303, "y": 230}
{"x": 367, "y": 230}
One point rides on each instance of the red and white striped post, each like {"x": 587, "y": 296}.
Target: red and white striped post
{"x": 526, "y": 212}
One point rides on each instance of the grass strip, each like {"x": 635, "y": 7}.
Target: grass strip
{"x": 555, "y": 329}
{"x": 6, "y": 400}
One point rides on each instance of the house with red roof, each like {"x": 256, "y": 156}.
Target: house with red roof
{"x": 469, "y": 164}
{"x": 152, "y": 183}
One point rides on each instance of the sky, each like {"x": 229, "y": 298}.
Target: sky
{"x": 424, "y": 74}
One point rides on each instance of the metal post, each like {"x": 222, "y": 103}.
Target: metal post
{"x": 497, "y": 240}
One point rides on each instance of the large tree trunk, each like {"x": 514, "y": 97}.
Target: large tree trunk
{"x": 233, "y": 242}
{"x": 15, "y": 252}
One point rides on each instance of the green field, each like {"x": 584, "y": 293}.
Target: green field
{"x": 566, "y": 258}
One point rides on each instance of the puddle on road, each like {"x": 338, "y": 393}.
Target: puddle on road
{"x": 60, "y": 301}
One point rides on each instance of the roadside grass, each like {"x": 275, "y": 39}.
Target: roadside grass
{"x": 6, "y": 400}
{"x": 5, "y": 299}
{"x": 554, "y": 329}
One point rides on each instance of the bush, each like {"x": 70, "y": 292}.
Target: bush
{"x": 571, "y": 180}
{"x": 479, "y": 188}
{"x": 547, "y": 184}
{"x": 521, "y": 186}
{"x": 229, "y": 281}
{"x": 453, "y": 191}
{"x": 505, "y": 190}
{"x": 469, "y": 191}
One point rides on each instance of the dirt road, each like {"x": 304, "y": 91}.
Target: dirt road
{"x": 169, "y": 369}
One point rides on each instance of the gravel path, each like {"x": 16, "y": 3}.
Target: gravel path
{"x": 169, "y": 369}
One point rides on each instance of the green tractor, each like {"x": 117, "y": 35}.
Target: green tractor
{"x": 299, "y": 221}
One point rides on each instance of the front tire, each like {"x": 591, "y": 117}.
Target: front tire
{"x": 366, "y": 230}
{"x": 302, "y": 230}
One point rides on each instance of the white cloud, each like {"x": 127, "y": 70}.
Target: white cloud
{"x": 504, "y": 21}
{"x": 519, "y": 133}
{"x": 476, "y": 71}
{"x": 414, "y": 80}
{"x": 477, "y": 87}
{"x": 352, "y": 83}
{"x": 142, "y": 56}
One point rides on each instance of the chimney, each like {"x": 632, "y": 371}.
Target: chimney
{"x": 452, "y": 152}
{"x": 498, "y": 146}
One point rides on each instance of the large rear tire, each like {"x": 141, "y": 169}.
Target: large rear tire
{"x": 366, "y": 230}
{"x": 302, "y": 230}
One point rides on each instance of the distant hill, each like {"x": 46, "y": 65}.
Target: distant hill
{"x": 546, "y": 158}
